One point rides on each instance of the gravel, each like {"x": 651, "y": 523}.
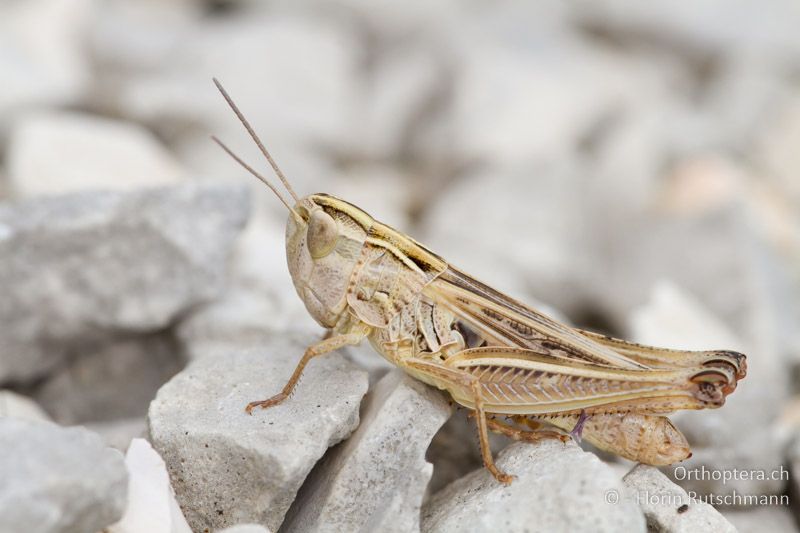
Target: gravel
{"x": 58, "y": 480}
{"x": 65, "y": 267}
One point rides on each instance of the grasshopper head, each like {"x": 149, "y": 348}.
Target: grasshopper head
{"x": 324, "y": 237}
{"x": 323, "y": 245}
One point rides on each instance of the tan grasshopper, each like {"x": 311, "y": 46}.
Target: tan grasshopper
{"x": 361, "y": 279}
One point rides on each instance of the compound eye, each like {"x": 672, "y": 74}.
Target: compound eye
{"x": 322, "y": 234}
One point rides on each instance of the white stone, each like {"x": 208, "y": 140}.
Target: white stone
{"x": 151, "y": 501}
{"x": 228, "y": 467}
{"x": 559, "y": 488}
{"x": 41, "y": 56}
{"x": 376, "y": 479}
{"x": 18, "y": 406}
{"x": 59, "y": 152}
{"x": 667, "y": 507}
{"x": 58, "y": 480}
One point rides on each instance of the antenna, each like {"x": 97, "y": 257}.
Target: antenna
{"x": 258, "y": 142}
{"x": 257, "y": 175}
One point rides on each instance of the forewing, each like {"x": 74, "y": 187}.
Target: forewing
{"x": 503, "y": 321}
{"x": 655, "y": 357}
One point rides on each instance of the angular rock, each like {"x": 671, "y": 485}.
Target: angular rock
{"x": 228, "y": 467}
{"x": 151, "y": 501}
{"x": 245, "y": 528}
{"x": 375, "y": 481}
{"x": 18, "y": 406}
{"x": 758, "y": 519}
{"x": 84, "y": 152}
{"x": 59, "y": 480}
{"x": 89, "y": 266}
{"x": 115, "y": 380}
{"x": 559, "y": 488}
{"x": 667, "y": 507}
{"x": 744, "y": 434}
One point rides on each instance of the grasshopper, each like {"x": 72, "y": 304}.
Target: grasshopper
{"x": 363, "y": 280}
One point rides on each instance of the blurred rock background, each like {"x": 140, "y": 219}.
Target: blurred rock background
{"x": 633, "y": 168}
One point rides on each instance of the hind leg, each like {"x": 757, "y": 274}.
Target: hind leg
{"x": 533, "y": 435}
{"x": 469, "y": 386}
{"x": 483, "y": 436}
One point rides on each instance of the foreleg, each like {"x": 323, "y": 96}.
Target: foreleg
{"x": 325, "y": 346}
